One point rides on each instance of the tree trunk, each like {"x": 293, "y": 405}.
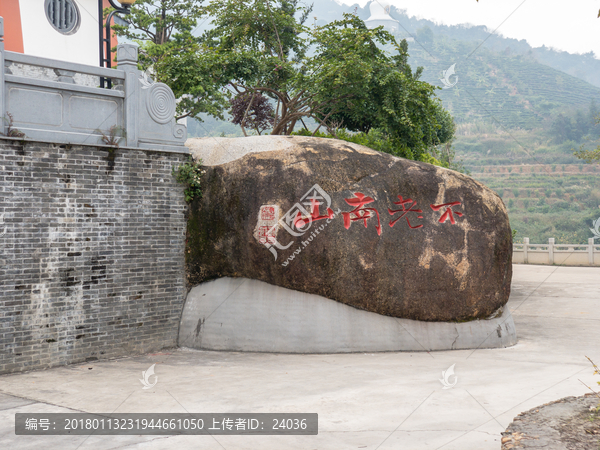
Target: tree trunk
{"x": 291, "y": 126}
{"x": 161, "y": 33}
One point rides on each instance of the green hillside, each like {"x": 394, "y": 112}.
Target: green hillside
{"x": 548, "y": 201}
{"x": 512, "y": 90}
{"x": 585, "y": 67}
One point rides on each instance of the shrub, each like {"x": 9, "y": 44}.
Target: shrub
{"x": 190, "y": 174}
{"x": 561, "y": 205}
{"x": 10, "y": 131}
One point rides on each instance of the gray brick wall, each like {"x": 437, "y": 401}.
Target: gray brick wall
{"x": 91, "y": 255}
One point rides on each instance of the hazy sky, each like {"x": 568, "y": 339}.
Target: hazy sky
{"x": 572, "y": 25}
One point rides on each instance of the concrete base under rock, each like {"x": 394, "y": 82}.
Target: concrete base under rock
{"x": 240, "y": 314}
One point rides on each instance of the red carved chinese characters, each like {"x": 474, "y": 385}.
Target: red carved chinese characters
{"x": 299, "y": 222}
{"x": 449, "y": 213}
{"x": 403, "y": 203}
{"x": 267, "y": 213}
{"x": 266, "y": 234}
{"x": 360, "y": 213}
{"x": 267, "y": 225}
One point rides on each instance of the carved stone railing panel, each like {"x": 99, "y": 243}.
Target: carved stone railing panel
{"x": 62, "y": 102}
{"x": 552, "y": 253}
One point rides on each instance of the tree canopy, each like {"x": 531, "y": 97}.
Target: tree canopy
{"x": 343, "y": 75}
{"x": 168, "y": 48}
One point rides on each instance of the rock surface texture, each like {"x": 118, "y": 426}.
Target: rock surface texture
{"x": 327, "y": 217}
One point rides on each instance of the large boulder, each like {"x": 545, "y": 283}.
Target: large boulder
{"x": 383, "y": 234}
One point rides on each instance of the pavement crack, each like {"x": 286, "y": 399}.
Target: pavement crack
{"x": 456, "y": 338}
{"x": 33, "y": 400}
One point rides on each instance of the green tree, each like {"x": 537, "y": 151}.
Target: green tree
{"x": 261, "y": 48}
{"x": 347, "y": 81}
{"x": 163, "y": 30}
{"x": 425, "y": 35}
{"x": 589, "y": 156}
{"x": 157, "y": 21}
{"x": 361, "y": 87}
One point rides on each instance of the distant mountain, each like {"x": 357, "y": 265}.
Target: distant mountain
{"x": 585, "y": 67}
{"x": 515, "y": 90}
{"x": 499, "y": 78}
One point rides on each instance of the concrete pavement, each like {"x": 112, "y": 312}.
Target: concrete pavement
{"x": 364, "y": 400}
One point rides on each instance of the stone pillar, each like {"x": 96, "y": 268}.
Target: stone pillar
{"x": 551, "y": 251}
{"x": 2, "y": 89}
{"x": 591, "y": 251}
{"x": 127, "y": 57}
{"x": 525, "y": 248}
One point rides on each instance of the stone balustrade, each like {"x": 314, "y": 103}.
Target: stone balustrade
{"x": 559, "y": 254}
{"x": 62, "y": 102}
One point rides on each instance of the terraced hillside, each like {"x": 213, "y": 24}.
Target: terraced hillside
{"x": 547, "y": 201}
{"x": 485, "y": 144}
